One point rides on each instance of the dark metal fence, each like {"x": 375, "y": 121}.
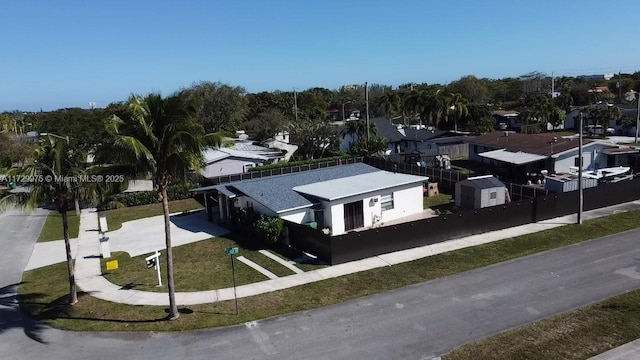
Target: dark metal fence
{"x": 224, "y": 179}
{"x": 363, "y": 244}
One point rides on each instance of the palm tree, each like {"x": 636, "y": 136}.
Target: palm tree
{"x": 56, "y": 172}
{"x": 158, "y": 136}
{"x": 425, "y": 103}
{"x": 458, "y": 104}
{"x": 390, "y": 101}
{"x": 356, "y": 130}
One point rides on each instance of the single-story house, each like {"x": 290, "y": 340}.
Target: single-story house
{"x": 480, "y": 192}
{"x": 514, "y": 155}
{"x": 406, "y": 140}
{"x": 237, "y": 159}
{"x": 507, "y": 119}
{"x": 336, "y": 199}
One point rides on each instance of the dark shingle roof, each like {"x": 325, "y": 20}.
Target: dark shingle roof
{"x": 276, "y": 192}
{"x": 483, "y": 182}
{"x": 542, "y": 144}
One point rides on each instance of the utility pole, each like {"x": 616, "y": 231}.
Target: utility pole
{"x": 619, "y": 87}
{"x": 580, "y": 187}
{"x": 295, "y": 104}
{"x": 553, "y": 86}
{"x": 637, "y": 115}
{"x": 366, "y": 99}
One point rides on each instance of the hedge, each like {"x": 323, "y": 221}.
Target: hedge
{"x": 174, "y": 192}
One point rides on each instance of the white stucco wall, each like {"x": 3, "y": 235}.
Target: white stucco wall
{"x": 241, "y": 202}
{"x": 565, "y": 161}
{"x": 227, "y": 167}
{"x": 298, "y": 216}
{"x": 407, "y": 200}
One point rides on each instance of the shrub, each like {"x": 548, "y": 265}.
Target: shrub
{"x": 268, "y": 229}
{"x": 174, "y": 192}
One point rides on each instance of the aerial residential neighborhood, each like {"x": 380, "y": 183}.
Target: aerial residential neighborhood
{"x": 327, "y": 180}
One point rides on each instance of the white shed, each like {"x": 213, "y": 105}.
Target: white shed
{"x": 480, "y": 192}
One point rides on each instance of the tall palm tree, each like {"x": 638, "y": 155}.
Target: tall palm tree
{"x": 425, "y": 103}
{"x": 458, "y": 104}
{"x": 157, "y": 136}
{"x": 356, "y": 130}
{"x": 390, "y": 101}
{"x": 56, "y": 174}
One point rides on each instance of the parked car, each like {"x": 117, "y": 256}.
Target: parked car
{"x": 599, "y": 130}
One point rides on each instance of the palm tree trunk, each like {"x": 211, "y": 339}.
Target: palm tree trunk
{"x": 173, "y": 308}
{"x": 73, "y": 294}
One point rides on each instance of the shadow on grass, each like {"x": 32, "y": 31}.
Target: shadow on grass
{"x": 12, "y": 318}
{"x": 58, "y": 309}
{"x": 285, "y": 251}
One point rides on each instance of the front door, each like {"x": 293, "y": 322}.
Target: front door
{"x": 353, "y": 216}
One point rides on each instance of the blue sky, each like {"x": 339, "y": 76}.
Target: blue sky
{"x": 66, "y": 53}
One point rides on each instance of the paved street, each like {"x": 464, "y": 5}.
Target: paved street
{"x": 419, "y": 322}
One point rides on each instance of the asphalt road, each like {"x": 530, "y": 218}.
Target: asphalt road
{"x": 416, "y": 322}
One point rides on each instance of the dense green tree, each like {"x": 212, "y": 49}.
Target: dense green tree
{"x": 471, "y": 88}
{"x": 217, "y": 106}
{"x": 157, "y": 136}
{"x": 267, "y": 124}
{"x": 314, "y": 138}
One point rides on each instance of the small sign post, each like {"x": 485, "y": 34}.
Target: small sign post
{"x": 230, "y": 252}
{"x": 154, "y": 261}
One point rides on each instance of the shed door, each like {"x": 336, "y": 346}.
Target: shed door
{"x": 353, "y": 216}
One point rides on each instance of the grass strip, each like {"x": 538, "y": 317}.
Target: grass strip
{"x": 269, "y": 264}
{"x": 42, "y": 290}
{"x": 52, "y": 229}
{"x": 197, "y": 267}
{"x": 578, "y": 334}
{"x": 116, "y": 217}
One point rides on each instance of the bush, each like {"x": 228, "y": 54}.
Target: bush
{"x": 174, "y": 192}
{"x": 268, "y": 229}
{"x": 256, "y": 229}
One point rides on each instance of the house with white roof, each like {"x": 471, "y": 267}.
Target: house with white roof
{"x": 336, "y": 199}
{"x": 237, "y": 159}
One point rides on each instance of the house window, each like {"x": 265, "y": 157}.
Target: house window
{"x": 249, "y": 205}
{"x": 386, "y": 202}
{"x": 576, "y": 162}
{"x": 475, "y": 149}
{"x": 493, "y": 195}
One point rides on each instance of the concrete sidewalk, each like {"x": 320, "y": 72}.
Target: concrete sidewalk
{"x": 625, "y": 352}
{"x": 89, "y": 278}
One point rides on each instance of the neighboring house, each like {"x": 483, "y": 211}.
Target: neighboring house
{"x": 480, "y": 192}
{"x": 513, "y": 155}
{"x": 237, "y": 159}
{"x": 139, "y": 185}
{"x": 507, "y": 119}
{"x": 403, "y": 140}
{"x": 339, "y": 199}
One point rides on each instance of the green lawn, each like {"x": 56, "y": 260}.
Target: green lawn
{"x": 463, "y": 166}
{"x": 578, "y": 334}
{"x": 198, "y": 266}
{"x": 116, "y": 217}
{"x": 52, "y": 229}
{"x": 44, "y": 289}
{"x": 435, "y": 201}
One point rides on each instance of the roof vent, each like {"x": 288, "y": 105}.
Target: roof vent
{"x": 506, "y": 133}
{"x": 555, "y": 139}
